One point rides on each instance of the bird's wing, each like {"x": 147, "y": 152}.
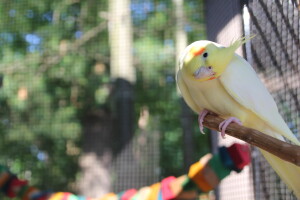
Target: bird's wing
{"x": 185, "y": 93}
{"x": 243, "y": 84}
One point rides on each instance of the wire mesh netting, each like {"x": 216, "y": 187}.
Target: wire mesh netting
{"x": 275, "y": 55}
{"x": 224, "y": 28}
{"x": 89, "y": 102}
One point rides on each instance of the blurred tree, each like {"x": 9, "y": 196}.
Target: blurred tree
{"x": 123, "y": 75}
{"x": 186, "y": 113}
{"x": 155, "y": 53}
{"x": 53, "y": 59}
{"x": 56, "y": 95}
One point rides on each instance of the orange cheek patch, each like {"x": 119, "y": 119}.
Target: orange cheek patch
{"x": 212, "y": 78}
{"x": 196, "y": 51}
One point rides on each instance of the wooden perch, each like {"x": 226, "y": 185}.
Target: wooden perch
{"x": 283, "y": 150}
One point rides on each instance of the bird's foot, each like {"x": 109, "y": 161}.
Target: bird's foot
{"x": 223, "y": 125}
{"x": 201, "y": 116}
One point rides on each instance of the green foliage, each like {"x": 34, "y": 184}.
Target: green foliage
{"x": 156, "y": 86}
{"x": 50, "y": 86}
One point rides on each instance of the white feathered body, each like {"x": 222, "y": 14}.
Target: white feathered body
{"x": 239, "y": 93}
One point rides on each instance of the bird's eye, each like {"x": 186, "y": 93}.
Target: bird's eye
{"x": 209, "y": 67}
{"x": 205, "y": 55}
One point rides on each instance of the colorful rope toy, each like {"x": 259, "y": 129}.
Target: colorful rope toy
{"x": 203, "y": 176}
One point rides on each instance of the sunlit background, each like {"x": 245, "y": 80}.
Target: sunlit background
{"x": 62, "y": 104}
{"x": 89, "y": 102}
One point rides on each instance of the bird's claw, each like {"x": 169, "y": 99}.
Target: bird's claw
{"x": 201, "y": 116}
{"x": 223, "y": 125}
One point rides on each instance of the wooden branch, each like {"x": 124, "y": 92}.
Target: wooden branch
{"x": 283, "y": 150}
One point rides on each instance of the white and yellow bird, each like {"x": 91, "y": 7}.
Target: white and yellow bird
{"x": 214, "y": 78}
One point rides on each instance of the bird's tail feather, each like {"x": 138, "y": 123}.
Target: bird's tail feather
{"x": 288, "y": 172}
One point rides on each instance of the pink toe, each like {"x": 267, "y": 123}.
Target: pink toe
{"x": 223, "y": 125}
{"x": 237, "y": 121}
{"x": 201, "y": 116}
{"x": 223, "y": 135}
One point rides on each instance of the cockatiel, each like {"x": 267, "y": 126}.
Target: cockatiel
{"x": 213, "y": 78}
